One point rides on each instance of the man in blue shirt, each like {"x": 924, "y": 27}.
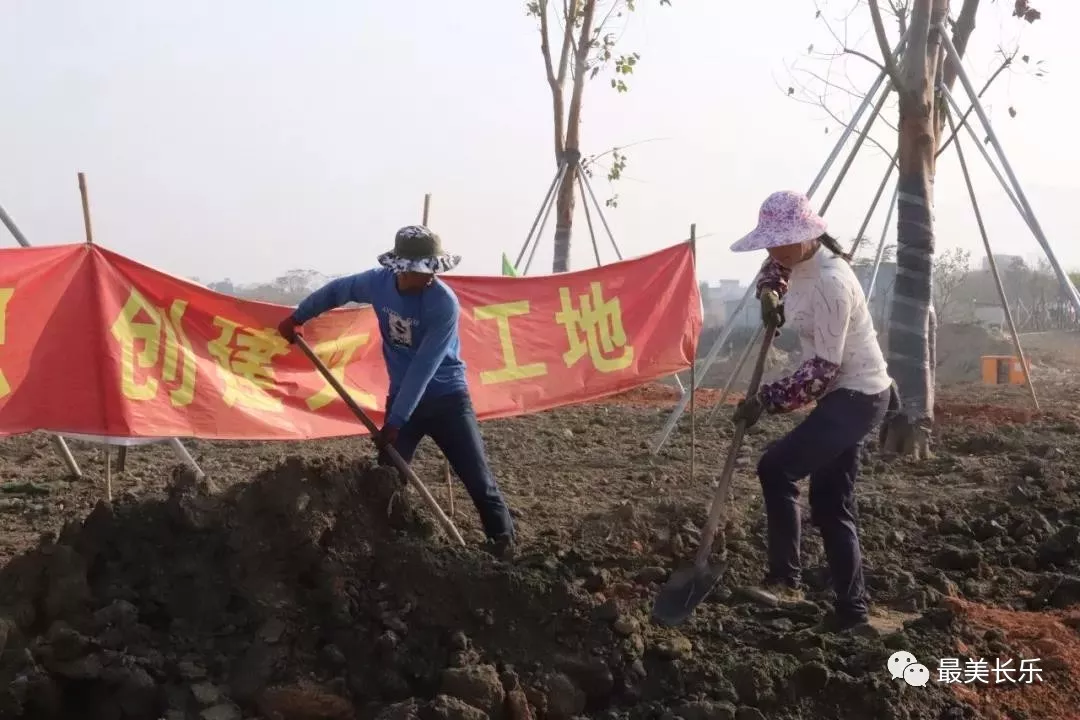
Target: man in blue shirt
{"x": 418, "y": 319}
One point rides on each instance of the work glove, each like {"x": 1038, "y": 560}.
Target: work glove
{"x": 287, "y": 328}
{"x": 749, "y": 410}
{"x": 772, "y": 310}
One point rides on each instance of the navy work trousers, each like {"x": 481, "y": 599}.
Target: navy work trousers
{"x": 450, "y": 421}
{"x": 826, "y": 446}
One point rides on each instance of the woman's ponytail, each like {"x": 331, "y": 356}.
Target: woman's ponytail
{"x": 834, "y": 246}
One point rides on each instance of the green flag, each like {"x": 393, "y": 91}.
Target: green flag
{"x": 507, "y": 268}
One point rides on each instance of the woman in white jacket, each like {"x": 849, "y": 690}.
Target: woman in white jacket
{"x": 844, "y": 371}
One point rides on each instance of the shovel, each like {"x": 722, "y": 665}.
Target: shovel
{"x": 687, "y": 587}
{"x": 394, "y": 455}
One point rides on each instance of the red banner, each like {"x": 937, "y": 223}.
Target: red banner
{"x": 93, "y": 343}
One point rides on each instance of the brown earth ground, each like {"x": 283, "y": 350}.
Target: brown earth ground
{"x": 307, "y": 585}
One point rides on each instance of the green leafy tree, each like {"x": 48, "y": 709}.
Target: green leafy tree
{"x": 578, "y": 40}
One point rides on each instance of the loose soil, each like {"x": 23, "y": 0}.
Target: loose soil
{"x": 306, "y": 583}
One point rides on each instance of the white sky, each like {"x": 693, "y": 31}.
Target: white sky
{"x": 246, "y": 138}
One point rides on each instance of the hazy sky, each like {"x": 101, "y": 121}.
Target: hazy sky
{"x": 241, "y": 139}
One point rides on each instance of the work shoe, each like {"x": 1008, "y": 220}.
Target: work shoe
{"x": 858, "y": 625}
{"x": 774, "y": 594}
{"x": 501, "y": 547}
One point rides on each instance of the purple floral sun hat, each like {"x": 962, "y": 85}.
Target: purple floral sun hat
{"x": 785, "y": 218}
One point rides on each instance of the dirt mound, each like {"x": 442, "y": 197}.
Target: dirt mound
{"x": 1058, "y": 350}
{"x": 213, "y": 604}
{"x": 960, "y": 348}
{"x": 1049, "y": 640}
{"x": 319, "y": 591}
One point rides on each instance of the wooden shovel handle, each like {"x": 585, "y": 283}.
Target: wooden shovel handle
{"x": 715, "y": 511}
{"x": 394, "y": 455}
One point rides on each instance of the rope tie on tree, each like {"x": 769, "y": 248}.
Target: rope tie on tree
{"x": 570, "y": 157}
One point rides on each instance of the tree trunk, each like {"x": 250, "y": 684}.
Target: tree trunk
{"x": 564, "y": 203}
{"x": 912, "y": 323}
{"x": 564, "y": 220}
{"x": 910, "y": 319}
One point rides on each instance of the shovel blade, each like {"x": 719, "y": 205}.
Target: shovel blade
{"x": 683, "y": 592}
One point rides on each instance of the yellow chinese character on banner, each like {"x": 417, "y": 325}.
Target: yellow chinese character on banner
{"x": 510, "y": 370}
{"x": 336, "y": 355}
{"x": 163, "y": 341}
{"x": 595, "y": 328}
{"x": 243, "y": 356}
{"x": 5, "y": 297}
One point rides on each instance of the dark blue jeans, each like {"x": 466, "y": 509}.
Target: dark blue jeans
{"x": 451, "y": 422}
{"x": 826, "y": 446}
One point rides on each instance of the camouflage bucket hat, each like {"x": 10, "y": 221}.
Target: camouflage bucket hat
{"x": 418, "y": 249}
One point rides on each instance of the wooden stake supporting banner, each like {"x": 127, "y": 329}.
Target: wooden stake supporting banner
{"x": 177, "y": 446}
{"x": 427, "y": 208}
{"x": 83, "y": 194}
{"x": 86, "y": 209}
{"x": 108, "y": 474}
{"x": 693, "y": 367}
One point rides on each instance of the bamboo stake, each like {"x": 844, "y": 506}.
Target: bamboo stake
{"x": 86, "y": 209}
{"x": 108, "y": 474}
{"x": 84, "y": 195}
{"x": 121, "y": 453}
{"x": 693, "y": 368}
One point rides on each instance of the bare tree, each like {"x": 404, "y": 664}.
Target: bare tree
{"x": 921, "y": 117}
{"x": 1035, "y": 293}
{"x": 825, "y": 79}
{"x": 951, "y": 269}
{"x": 588, "y": 32}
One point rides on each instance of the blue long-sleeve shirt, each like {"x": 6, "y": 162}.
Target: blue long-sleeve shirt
{"x": 420, "y": 342}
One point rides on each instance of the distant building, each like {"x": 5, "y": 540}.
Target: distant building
{"x": 719, "y": 300}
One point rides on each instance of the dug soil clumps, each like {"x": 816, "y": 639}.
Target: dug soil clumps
{"x": 321, "y": 592}
{"x": 318, "y": 591}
